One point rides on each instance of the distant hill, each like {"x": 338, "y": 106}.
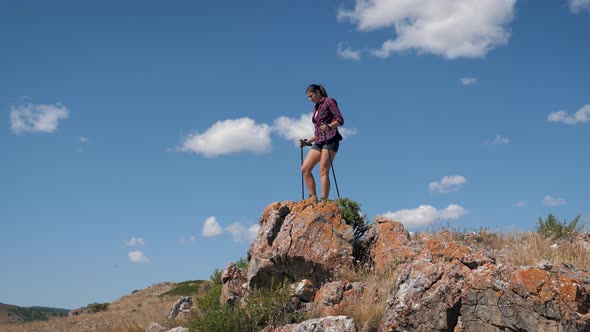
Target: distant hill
{"x": 15, "y": 314}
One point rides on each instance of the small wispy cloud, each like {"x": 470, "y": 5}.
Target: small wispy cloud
{"x": 243, "y": 234}
{"x": 498, "y": 140}
{"x": 187, "y": 239}
{"x": 551, "y": 201}
{"x": 346, "y": 52}
{"x": 581, "y": 116}
{"x": 469, "y": 81}
{"x": 447, "y": 184}
{"x": 425, "y": 215}
{"x": 577, "y": 6}
{"x": 32, "y": 118}
{"x": 83, "y": 140}
{"x": 137, "y": 256}
{"x": 521, "y": 204}
{"x": 135, "y": 242}
{"x": 239, "y": 232}
{"x": 211, "y": 227}
{"x": 228, "y": 137}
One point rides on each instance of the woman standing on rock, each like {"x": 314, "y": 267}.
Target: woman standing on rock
{"x": 326, "y": 118}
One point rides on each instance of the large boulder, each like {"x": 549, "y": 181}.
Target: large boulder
{"x": 303, "y": 240}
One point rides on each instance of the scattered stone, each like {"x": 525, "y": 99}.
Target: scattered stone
{"x": 327, "y": 324}
{"x": 181, "y": 307}
{"x": 303, "y": 290}
{"x": 155, "y": 327}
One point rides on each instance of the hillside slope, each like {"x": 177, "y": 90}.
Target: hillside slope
{"x": 14, "y": 314}
{"x": 135, "y": 311}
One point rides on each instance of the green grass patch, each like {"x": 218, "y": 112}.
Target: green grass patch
{"x": 187, "y": 288}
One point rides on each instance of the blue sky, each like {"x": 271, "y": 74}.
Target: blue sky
{"x": 142, "y": 141}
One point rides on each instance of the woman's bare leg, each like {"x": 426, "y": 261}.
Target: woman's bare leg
{"x": 313, "y": 158}
{"x": 325, "y": 164}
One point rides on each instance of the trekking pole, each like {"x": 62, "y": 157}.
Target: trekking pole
{"x": 334, "y": 174}
{"x": 302, "y": 194}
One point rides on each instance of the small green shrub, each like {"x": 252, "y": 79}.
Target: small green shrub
{"x": 242, "y": 263}
{"x": 351, "y": 213}
{"x": 216, "y": 276}
{"x": 553, "y": 228}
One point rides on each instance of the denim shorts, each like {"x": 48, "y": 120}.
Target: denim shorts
{"x": 331, "y": 145}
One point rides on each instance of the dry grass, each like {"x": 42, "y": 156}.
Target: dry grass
{"x": 131, "y": 313}
{"x": 528, "y": 248}
{"x": 367, "y": 311}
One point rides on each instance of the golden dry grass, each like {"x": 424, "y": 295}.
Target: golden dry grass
{"x": 131, "y": 313}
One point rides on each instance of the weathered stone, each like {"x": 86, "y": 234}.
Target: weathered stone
{"x": 324, "y": 324}
{"x": 233, "y": 279}
{"x": 178, "y": 329}
{"x": 388, "y": 244}
{"x": 304, "y": 240}
{"x": 333, "y": 297}
{"x": 303, "y": 290}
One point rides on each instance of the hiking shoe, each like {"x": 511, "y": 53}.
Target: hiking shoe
{"x": 323, "y": 199}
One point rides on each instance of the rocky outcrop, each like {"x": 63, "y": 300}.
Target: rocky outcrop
{"x": 297, "y": 241}
{"x": 440, "y": 285}
{"x": 448, "y": 287}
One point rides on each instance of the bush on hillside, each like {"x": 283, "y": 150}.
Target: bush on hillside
{"x": 553, "y": 228}
{"x": 260, "y": 308}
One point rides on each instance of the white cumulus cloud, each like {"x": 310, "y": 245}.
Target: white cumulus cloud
{"x": 135, "y": 242}
{"x": 552, "y": 201}
{"x": 229, "y": 136}
{"x": 581, "y": 116}
{"x": 425, "y": 215}
{"x": 294, "y": 129}
{"x": 447, "y": 184}
{"x": 577, "y": 6}
{"x": 137, "y": 257}
{"x": 346, "y": 52}
{"x": 241, "y": 233}
{"x": 449, "y": 28}
{"x": 31, "y": 118}
{"x": 521, "y": 204}
{"x": 468, "y": 80}
{"x": 211, "y": 227}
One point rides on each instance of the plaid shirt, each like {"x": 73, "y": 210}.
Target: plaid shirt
{"x": 325, "y": 112}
